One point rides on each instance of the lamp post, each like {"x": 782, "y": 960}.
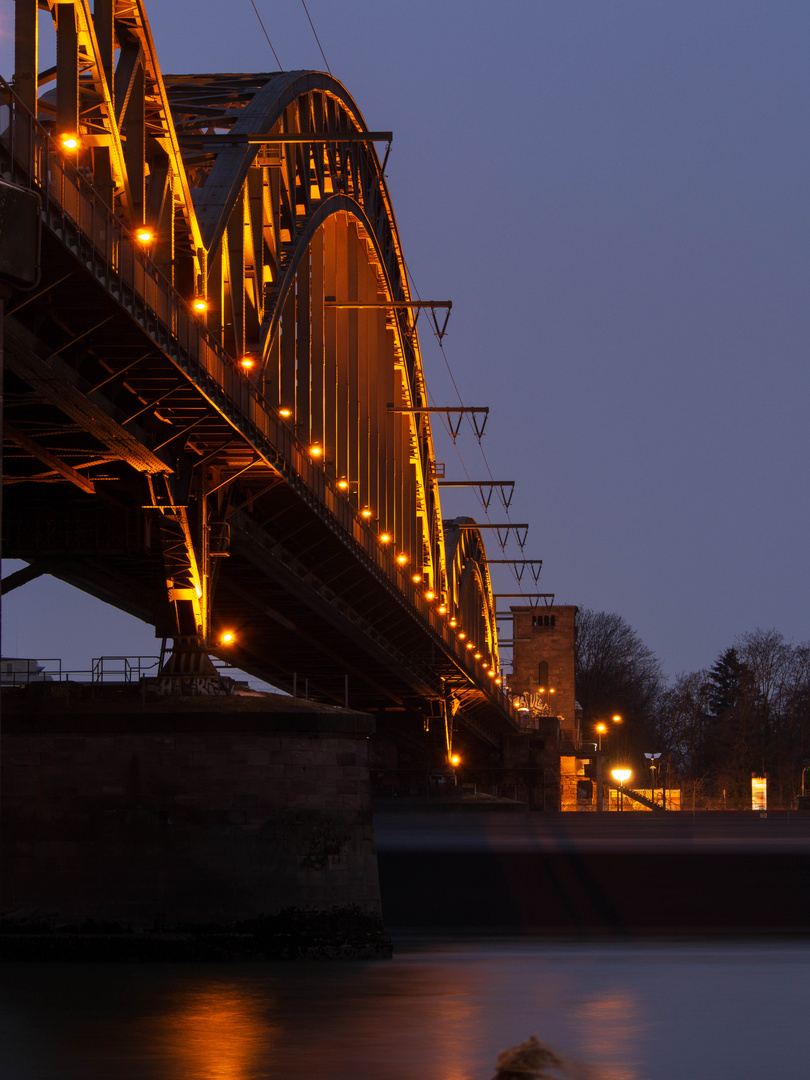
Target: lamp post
{"x": 620, "y": 775}
{"x": 616, "y": 719}
{"x": 653, "y": 760}
{"x": 600, "y": 731}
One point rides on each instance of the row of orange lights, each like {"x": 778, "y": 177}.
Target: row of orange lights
{"x": 71, "y": 142}
{"x": 145, "y": 236}
{"x": 453, "y": 622}
{"x": 385, "y": 538}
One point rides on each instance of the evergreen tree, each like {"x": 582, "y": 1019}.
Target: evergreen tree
{"x": 739, "y": 741}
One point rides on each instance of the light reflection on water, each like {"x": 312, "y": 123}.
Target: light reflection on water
{"x": 436, "y": 1012}
{"x": 218, "y": 1032}
{"x": 611, "y": 1028}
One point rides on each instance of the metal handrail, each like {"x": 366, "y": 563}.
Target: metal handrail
{"x": 130, "y": 669}
{"x": 127, "y": 669}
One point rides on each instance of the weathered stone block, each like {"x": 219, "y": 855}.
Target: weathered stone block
{"x": 167, "y": 828}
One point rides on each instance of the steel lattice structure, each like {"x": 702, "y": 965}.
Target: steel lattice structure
{"x": 263, "y": 463}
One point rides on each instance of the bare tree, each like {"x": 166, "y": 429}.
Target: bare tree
{"x": 781, "y": 674}
{"x": 616, "y": 673}
{"x": 684, "y": 724}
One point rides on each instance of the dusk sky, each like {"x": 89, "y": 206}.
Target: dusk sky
{"x": 615, "y": 194}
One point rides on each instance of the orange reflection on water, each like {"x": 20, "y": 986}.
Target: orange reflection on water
{"x": 453, "y": 1018}
{"x": 217, "y": 1033}
{"x": 610, "y": 1030}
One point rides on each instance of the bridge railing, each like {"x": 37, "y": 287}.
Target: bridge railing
{"x": 22, "y": 671}
{"x": 128, "y": 669}
{"x": 75, "y": 212}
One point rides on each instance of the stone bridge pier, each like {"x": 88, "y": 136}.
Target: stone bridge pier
{"x": 186, "y": 828}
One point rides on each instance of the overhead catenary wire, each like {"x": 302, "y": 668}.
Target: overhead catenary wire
{"x": 272, "y": 47}
{"x": 315, "y": 32}
{"x": 438, "y": 335}
{"x": 269, "y": 42}
{"x": 459, "y": 454}
{"x": 264, "y": 31}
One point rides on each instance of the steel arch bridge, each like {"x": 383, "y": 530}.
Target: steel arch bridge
{"x": 216, "y": 416}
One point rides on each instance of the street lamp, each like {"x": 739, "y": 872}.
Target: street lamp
{"x": 616, "y": 718}
{"x": 620, "y": 775}
{"x": 600, "y": 731}
{"x": 653, "y": 760}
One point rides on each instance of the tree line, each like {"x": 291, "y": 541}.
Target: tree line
{"x": 749, "y": 713}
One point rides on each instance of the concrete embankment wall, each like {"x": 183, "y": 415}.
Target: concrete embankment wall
{"x": 195, "y": 816}
{"x": 606, "y": 875}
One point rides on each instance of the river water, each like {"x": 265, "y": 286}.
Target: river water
{"x": 685, "y": 1011}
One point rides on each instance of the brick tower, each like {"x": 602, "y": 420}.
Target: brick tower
{"x": 543, "y": 661}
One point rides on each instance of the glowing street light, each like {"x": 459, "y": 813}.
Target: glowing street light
{"x": 228, "y": 638}
{"x": 617, "y": 719}
{"x": 285, "y": 411}
{"x": 69, "y": 141}
{"x": 548, "y": 691}
{"x": 200, "y": 304}
{"x": 316, "y": 450}
{"x": 144, "y": 235}
{"x": 600, "y": 731}
{"x": 620, "y": 775}
{"x": 247, "y": 363}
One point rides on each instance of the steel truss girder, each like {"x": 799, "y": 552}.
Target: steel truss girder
{"x": 259, "y": 212}
{"x": 120, "y": 113}
{"x": 308, "y": 183}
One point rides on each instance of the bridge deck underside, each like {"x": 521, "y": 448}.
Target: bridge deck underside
{"x": 96, "y": 408}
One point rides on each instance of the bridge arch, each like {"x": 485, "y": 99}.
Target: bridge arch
{"x": 470, "y": 585}
{"x": 291, "y": 236}
{"x": 288, "y": 225}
